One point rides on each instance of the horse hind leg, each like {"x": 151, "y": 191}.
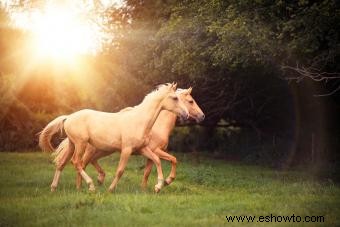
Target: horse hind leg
{"x": 147, "y": 171}
{"x": 55, "y": 181}
{"x": 89, "y": 151}
{"x": 78, "y": 164}
{"x": 101, "y": 173}
{"x": 94, "y": 161}
{"x": 79, "y": 179}
{"x": 60, "y": 166}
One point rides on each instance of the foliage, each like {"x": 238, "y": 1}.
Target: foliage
{"x": 204, "y": 192}
{"x": 232, "y": 52}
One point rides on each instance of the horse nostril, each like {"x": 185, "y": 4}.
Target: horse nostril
{"x": 203, "y": 116}
{"x": 185, "y": 115}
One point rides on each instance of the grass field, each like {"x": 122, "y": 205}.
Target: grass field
{"x": 204, "y": 193}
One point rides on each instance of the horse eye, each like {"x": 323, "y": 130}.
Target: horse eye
{"x": 191, "y": 101}
{"x": 175, "y": 98}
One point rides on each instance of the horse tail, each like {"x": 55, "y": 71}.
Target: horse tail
{"x": 61, "y": 150}
{"x": 51, "y": 129}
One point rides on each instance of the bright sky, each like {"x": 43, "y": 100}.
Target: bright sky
{"x": 61, "y": 29}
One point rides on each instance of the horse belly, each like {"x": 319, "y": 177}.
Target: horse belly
{"x": 105, "y": 140}
{"x": 136, "y": 143}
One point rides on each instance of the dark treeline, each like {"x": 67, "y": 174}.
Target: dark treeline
{"x": 243, "y": 59}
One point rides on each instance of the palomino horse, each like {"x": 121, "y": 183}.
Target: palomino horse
{"x": 159, "y": 139}
{"x": 126, "y": 131}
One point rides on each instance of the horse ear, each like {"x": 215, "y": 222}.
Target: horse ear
{"x": 174, "y": 86}
{"x": 189, "y": 90}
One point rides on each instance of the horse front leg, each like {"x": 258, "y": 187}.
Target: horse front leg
{"x": 124, "y": 157}
{"x": 147, "y": 152}
{"x": 166, "y": 156}
{"x": 77, "y": 162}
{"x": 147, "y": 171}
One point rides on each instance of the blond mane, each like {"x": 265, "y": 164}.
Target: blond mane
{"x": 159, "y": 93}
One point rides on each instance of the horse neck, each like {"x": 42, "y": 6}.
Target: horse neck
{"x": 148, "y": 112}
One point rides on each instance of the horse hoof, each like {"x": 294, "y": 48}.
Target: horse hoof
{"x": 100, "y": 179}
{"x": 53, "y": 189}
{"x": 111, "y": 189}
{"x": 159, "y": 185}
{"x": 168, "y": 181}
{"x": 92, "y": 188}
{"x": 157, "y": 189}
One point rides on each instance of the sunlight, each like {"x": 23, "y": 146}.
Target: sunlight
{"x": 59, "y": 34}
{"x": 62, "y": 30}
{"x": 58, "y": 41}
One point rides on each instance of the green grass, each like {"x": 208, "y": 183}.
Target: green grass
{"x": 204, "y": 192}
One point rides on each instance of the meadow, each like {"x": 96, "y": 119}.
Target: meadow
{"x": 203, "y": 194}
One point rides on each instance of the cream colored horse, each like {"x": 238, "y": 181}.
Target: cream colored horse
{"x": 159, "y": 139}
{"x": 126, "y": 131}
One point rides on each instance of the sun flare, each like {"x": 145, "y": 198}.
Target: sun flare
{"x": 62, "y": 29}
{"x": 61, "y": 34}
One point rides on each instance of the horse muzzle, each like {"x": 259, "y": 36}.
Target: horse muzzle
{"x": 199, "y": 118}
{"x": 185, "y": 115}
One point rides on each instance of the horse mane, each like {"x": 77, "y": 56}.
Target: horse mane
{"x": 160, "y": 91}
{"x": 181, "y": 91}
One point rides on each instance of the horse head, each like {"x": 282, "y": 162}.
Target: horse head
{"x": 195, "y": 111}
